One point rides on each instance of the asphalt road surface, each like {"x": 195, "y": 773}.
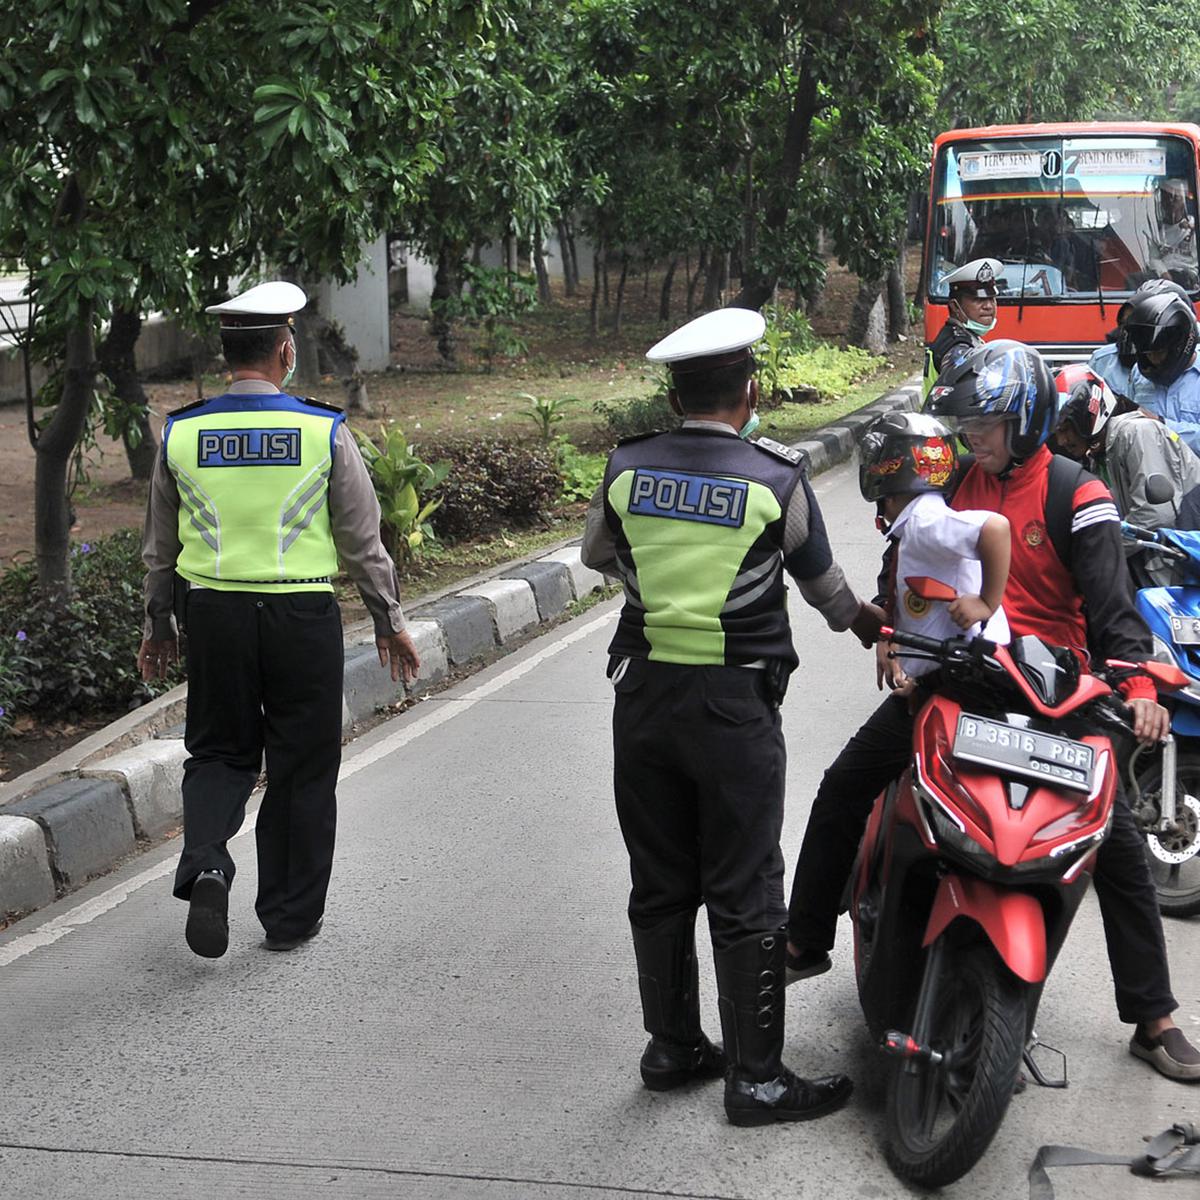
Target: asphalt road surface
{"x": 466, "y": 1027}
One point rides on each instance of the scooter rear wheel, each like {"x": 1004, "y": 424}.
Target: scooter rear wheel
{"x": 1174, "y": 856}
{"x": 942, "y": 1117}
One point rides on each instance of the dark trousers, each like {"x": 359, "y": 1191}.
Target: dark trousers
{"x": 876, "y": 755}
{"x": 699, "y": 780}
{"x": 264, "y": 675}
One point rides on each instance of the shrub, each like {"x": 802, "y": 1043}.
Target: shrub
{"x": 640, "y": 414}
{"x": 82, "y": 658}
{"x": 492, "y": 483}
{"x": 827, "y": 373}
{"x": 581, "y": 472}
{"x": 401, "y": 478}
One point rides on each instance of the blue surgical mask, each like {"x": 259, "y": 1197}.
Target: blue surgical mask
{"x": 979, "y": 328}
{"x": 750, "y": 426}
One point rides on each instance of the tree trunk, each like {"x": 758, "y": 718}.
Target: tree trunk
{"x": 621, "y": 293}
{"x": 758, "y": 285}
{"x": 539, "y": 265}
{"x": 646, "y": 280}
{"x": 868, "y": 327}
{"x": 712, "y": 280}
{"x": 115, "y": 356}
{"x": 574, "y": 255}
{"x": 604, "y": 268}
{"x": 446, "y": 287}
{"x": 596, "y": 272}
{"x": 56, "y": 445}
{"x": 897, "y": 299}
{"x": 664, "y": 301}
{"x": 570, "y": 278}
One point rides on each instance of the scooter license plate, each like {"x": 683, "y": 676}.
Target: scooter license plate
{"x": 1024, "y": 752}
{"x": 1185, "y": 631}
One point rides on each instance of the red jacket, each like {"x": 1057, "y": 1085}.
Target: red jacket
{"x": 1089, "y": 605}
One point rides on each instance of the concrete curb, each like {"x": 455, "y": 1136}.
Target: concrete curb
{"x": 78, "y": 815}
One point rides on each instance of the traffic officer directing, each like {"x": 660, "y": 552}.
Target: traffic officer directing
{"x": 256, "y": 495}
{"x": 700, "y": 525}
{"x": 972, "y": 313}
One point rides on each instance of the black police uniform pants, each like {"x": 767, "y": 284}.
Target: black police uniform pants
{"x": 699, "y": 780}
{"x": 264, "y": 675}
{"x": 876, "y": 755}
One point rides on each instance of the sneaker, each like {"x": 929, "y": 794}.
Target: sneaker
{"x": 207, "y": 929}
{"x": 666, "y": 1065}
{"x": 1170, "y": 1054}
{"x": 806, "y": 963}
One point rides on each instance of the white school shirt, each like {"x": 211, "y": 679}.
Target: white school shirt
{"x": 935, "y": 541}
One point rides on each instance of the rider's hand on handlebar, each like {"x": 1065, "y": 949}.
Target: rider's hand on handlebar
{"x": 1151, "y": 722}
{"x": 888, "y": 670}
{"x": 969, "y": 610}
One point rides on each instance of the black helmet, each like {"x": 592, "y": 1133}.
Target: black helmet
{"x": 1161, "y": 322}
{"x": 999, "y": 379}
{"x": 906, "y": 452}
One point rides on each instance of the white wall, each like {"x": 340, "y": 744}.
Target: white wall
{"x": 361, "y": 307}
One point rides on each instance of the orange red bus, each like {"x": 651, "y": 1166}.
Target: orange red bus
{"x": 1080, "y": 214}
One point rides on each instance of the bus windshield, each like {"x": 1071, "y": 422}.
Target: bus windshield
{"x": 1068, "y": 216}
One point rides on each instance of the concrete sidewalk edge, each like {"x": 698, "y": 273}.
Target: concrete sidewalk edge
{"x": 78, "y": 815}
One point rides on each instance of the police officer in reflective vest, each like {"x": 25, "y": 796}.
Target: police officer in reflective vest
{"x": 972, "y": 313}
{"x": 256, "y": 495}
{"x": 700, "y": 526}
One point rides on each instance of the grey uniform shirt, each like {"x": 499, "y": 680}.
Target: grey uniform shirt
{"x": 353, "y": 516}
{"x": 828, "y": 593}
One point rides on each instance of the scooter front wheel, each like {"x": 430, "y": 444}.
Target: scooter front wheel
{"x": 943, "y": 1114}
{"x": 1174, "y": 854}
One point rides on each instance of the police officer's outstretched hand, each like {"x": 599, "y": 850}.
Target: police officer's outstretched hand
{"x": 867, "y": 624}
{"x": 155, "y": 659}
{"x": 398, "y": 651}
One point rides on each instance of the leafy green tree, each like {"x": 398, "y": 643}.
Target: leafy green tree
{"x": 146, "y": 156}
{"x": 1062, "y": 60}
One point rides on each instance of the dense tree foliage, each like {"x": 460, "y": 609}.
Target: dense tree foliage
{"x": 153, "y": 150}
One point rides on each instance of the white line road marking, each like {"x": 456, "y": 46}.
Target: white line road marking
{"x": 89, "y": 910}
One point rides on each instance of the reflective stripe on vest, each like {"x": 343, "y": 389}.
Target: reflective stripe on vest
{"x": 253, "y": 477}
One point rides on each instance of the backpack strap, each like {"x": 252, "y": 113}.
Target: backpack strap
{"x": 1064, "y": 479}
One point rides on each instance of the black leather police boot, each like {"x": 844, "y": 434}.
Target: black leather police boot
{"x": 759, "y": 1089}
{"x": 669, "y": 981}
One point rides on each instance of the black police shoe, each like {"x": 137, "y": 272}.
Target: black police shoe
{"x": 274, "y": 942}
{"x": 804, "y": 964}
{"x": 207, "y": 929}
{"x": 667, "y": 1065}
{"x": 787, "y": 1097}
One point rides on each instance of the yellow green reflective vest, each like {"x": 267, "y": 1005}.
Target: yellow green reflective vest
{"x": 253, "y": 477}
{"x": 698, "y": 522}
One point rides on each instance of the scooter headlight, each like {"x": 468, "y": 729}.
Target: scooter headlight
{"x": 952, "y": 838}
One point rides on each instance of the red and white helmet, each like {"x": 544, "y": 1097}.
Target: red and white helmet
{"x": 1085, "y": 401}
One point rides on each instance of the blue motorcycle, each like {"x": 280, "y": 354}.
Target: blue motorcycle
{"x": 1170, "y": 817}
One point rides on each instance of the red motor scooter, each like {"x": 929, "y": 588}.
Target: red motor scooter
{"x": 969, "y": 874}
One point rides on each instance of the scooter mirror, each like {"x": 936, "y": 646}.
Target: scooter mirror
{"x": 930, "y": 589}
{"x": 1159, "y": 489}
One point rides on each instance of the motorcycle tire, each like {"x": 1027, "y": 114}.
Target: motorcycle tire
{"x": 1175, "y": 858}
{"x": 942, "y": 1117}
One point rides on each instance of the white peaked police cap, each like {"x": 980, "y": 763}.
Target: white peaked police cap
{"x": 717, "y": 339}
{"x": 981, "y": 273}
{"x": 271, "y": 305}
